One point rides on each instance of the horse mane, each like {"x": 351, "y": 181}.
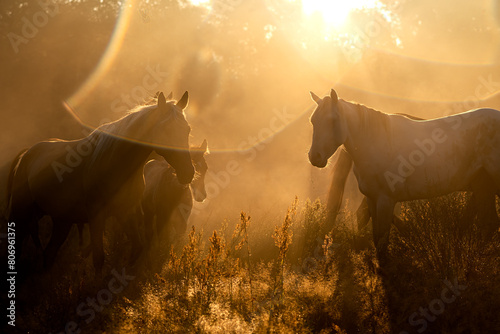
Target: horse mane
{"x": 374, "y": 122}
{"x": 370, "y": 121}
{"x": 118, "y": 126}
{"x": 107, "y": 134}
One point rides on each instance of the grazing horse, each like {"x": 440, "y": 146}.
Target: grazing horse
{"x": 399, "y": 159}
{"x": 163, "y": 194}
{"x": 78, "y": 181}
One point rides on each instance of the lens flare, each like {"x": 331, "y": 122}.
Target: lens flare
{"x": 107, "y": 59}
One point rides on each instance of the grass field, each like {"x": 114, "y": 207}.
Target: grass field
{"x": 441, "y": 277}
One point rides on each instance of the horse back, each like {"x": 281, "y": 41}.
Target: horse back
{"x": 10, "y": 181}
{"x": 50, "y": 172}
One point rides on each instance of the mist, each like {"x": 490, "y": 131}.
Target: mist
{"x": 243, "y": 65}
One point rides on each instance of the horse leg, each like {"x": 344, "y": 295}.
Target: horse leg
{"x": 486, "y": 209}
{"x": 60, "y": 231}
{"x": 372, "y": 208}
{"x": 184, "y": 209}
{"x": 340, "y": 173}
{"x": 132, "y": 229}
{"x": 363, "y": 214}
{"x": 96, "y": 239}
{"x": 80, "y": 234}
{"x": 382, "y": 225}
{"x": 148, "y": 221}
{"x": 34, "y": 230}
{"x": 163, "y": 217}
{"x": 493, "y": 170}
{"x": 148, "y": 218}
{"x": 84, "y": 251}
{"x": 484, "y": 192}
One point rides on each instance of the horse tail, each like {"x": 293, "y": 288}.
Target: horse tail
{"x": 340, "y": 173}
{"x": 10, "y": 182}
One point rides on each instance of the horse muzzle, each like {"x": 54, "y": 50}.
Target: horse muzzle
{"x": 317, "y": 160}
{"x": 199, "y": 196}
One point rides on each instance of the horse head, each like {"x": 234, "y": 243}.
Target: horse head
{"x": 200, "y": 165}
{"x": 328, "y": 129}
{"x": 169, "y": 133}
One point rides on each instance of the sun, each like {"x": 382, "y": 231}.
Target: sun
{"x": 199, "y": 2}
{"x": 335, "y": 12}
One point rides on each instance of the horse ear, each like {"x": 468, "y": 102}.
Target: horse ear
{"x": 334, "y": 96}
{"x": 162, "y": 103}
{"x": 315, "y": 97}
{"x": 183, "y": 102}
{"x": 203, "y": 146}
{"x": 156, "y": 94}
{"x": 169, "y": 97}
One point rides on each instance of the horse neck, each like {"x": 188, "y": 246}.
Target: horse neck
{"x": 168, "y": 175}
{"x": 365, "y": 129}
{"x": 122, "y": 156}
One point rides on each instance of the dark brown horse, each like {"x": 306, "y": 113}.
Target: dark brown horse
{"x": 163, "y": 194}
{"x": 81, "y": 181}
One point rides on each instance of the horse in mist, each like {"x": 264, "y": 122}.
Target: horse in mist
{"x": 163, "y": 194}
{"x": 81, "y": 181}
{"x": 399, "y": 159}
{"x": 341, "y": 170}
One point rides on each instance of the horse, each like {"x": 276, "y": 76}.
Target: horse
{"x": 135, "y": 188}
{"x": 399, "y": 159}
{"x": 341, "y": 170}
{"x": 163, "y": 194}
{"x": 79, "y": 181}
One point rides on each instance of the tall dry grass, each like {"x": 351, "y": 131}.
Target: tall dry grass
{"x": 312, "y": 281}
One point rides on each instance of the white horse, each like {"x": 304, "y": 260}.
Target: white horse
{"x": 399, "y": 159}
